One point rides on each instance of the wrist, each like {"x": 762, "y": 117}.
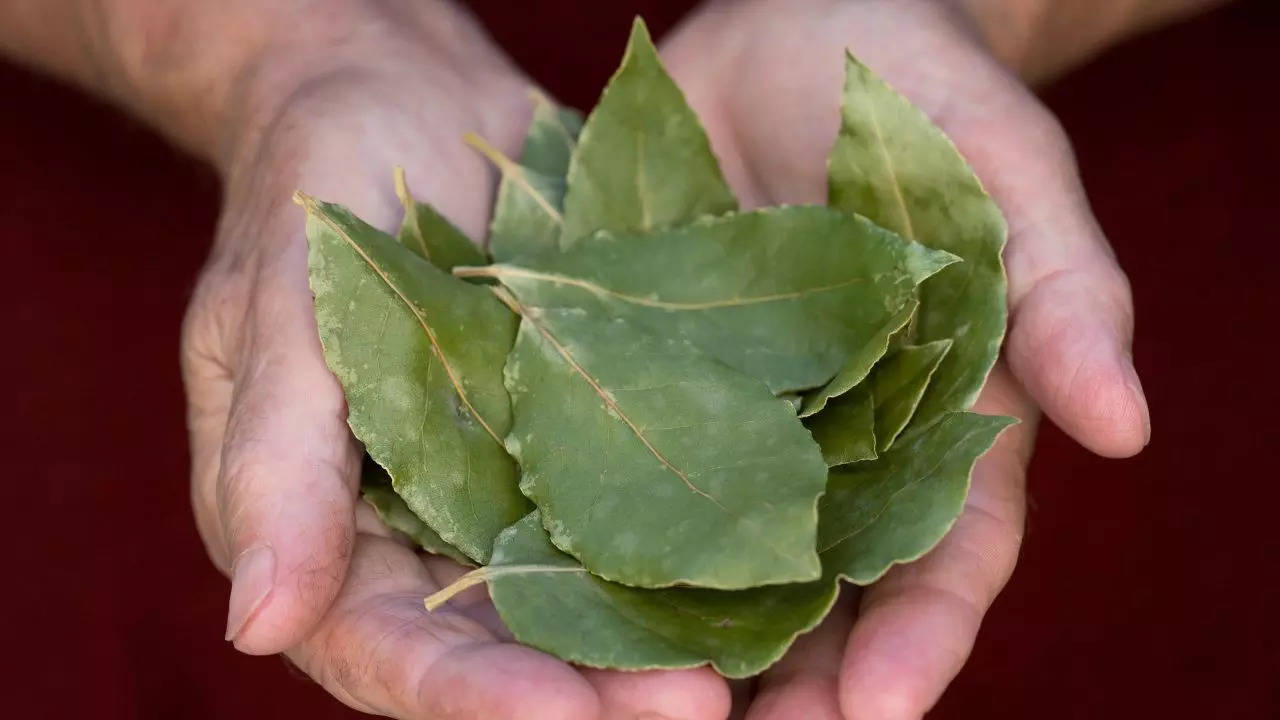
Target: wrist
{"x": 1040, "y": 39}
{"x": 215, "y": 76}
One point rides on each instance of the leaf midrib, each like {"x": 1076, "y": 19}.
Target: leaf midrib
{"x": 499, "y": 271}
{"x": 413, "y": 308}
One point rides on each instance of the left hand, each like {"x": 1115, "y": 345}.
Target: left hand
{"x": 765, "y": 77}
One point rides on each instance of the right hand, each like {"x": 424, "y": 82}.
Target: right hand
{"x": 274, "y": 466}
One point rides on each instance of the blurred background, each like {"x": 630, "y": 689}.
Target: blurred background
{"x": 1147, "y": 587}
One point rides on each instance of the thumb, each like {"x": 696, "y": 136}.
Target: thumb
{"x": 288, "y": 473}
{"x": 1071, "y": 312}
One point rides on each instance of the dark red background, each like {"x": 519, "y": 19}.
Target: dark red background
{"x": 1147, "y": 587}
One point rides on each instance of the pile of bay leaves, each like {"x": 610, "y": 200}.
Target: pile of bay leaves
{"x": 665, "y": 429}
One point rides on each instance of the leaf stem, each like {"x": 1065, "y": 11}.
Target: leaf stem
{"x": 514, "y": 171}
{"x": 487, "y": 574}
{"x": 470, "y": 271}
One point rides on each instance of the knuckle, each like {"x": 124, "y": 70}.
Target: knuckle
{"x": 215, "y": 312}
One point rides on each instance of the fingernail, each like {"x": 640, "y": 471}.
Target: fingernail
{"x": 1135, "y": 387}
{"x": 252, "y": 575}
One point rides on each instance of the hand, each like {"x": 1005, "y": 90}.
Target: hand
{"x": 765, "y": 77}
{"x": 274, "y": 481}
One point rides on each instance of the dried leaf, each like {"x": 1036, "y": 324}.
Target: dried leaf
{"x": 898, "y": 382}
{"x": 552, "y": 137}
{"x": 527, "y": 215}
{"x": 787, "y": 295}
{"x": 654, "y": 465}
{"x": 431, "y": 235}
{"x": 375, "y": 487}
{"x": 891, "y": 164}
{"x": 897, "y": 507}
{"x": 643, "y": 161}
{"x": 419, "y": 355}
{"x": 549, "y": 602}
{"x": 846, "y": 428}
{"x": 859, "y": 364}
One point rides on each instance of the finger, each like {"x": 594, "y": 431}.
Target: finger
{"x": 804, "y": 682}
{"x": 206, "y": 380}
{"x": 917, "y": 625}
{"x": 693, "y": 694}
{"x": 1071, "y": 311}
{"x": 380, "y": 651}
{"x": 288, "y": 471}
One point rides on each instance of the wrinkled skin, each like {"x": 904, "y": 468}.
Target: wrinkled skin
{"x": 274, "y": 485}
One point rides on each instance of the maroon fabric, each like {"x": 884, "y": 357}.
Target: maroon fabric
{"x": 1146, "y": 589}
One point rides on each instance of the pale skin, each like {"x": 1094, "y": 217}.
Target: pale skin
{"x": 327, "y": 96}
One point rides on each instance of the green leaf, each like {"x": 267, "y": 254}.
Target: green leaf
{"x": 431, "y": 235}
{"x": 420, "y": 356}
{"x": 897, "y": 507}
{"x": 528, "y": 212}
{"x": 785, "y": 295}
{"x": 643, "y": 161}
{"x": 375, "y": 487}
{"x": 855, "y": 369}
{"x": 527, "y": 215}
{"x": 891, "y": 164}
{"x": 846, "y": 428}
{"x": 550, "y": 602}
{"x": 654, "y": 465}
{"x": 898, "y": 382}
{"x": 552, "y": 137}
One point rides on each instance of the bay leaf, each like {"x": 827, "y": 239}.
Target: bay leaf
{"x": 552, "y": 137}
{"x": 786, "y": 295}
{"x": 375, "y": 488}
{"x": 420, "y": 357}
{"x": 897, "y": 507}
{"x": 643, "y": 161}
{"x": 527, "y": 214}
{"x": 528, "y": 211}
{"x": 655, "y": 465}
{"x": 891, "y": 164}
{"x": 430, "y": 234}
{"x": 550, "y": 602}
{"x": 898, "y": 382}
{"x": 876, "y": 514}
{"x": 859, "y": 364}
{"x": 846, "y": 428}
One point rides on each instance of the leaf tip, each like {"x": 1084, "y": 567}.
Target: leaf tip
{"x": 537, "y": 97}
{"x": 402, "y": 186}
{"x": 304, "y": 201}
{"x": 639, "y": 40}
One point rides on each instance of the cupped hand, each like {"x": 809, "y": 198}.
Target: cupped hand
{"x": 766, "y": 76}
{"x": 275, "y": 468}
